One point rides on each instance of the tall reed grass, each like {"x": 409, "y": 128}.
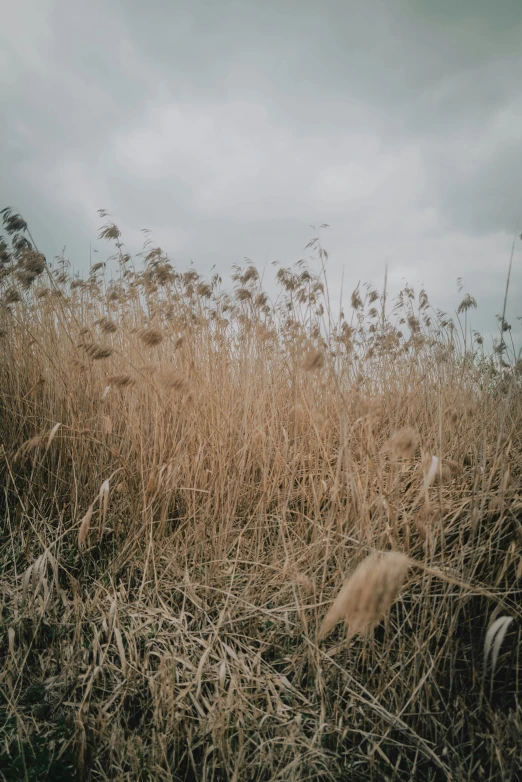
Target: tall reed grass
{"x": 190, "y": 475}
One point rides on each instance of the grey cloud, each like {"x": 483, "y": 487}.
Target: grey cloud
{"x": 228, "y": 127}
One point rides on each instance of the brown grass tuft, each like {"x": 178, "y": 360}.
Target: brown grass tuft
{"x": 102, "y": 351}
{"x": 151, "y": 337}
{"x": 107, "y": 326}
{"x": 95, "y": 351}
{"x": 11, "y": 296}
{"x": 204, "y": 290}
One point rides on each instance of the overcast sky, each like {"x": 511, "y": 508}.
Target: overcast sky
{"x": 227, "y": 128}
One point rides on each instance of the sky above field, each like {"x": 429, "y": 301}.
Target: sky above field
{"x": 229, "y": 128}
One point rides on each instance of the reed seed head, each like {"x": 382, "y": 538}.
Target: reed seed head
{"x": 151, "y": 337}
{"x": 368, "y": 593}
{"x": 314, "y": 360}
{"x": 120, "y": 381}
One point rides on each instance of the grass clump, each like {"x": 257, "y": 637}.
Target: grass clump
{"x": 182, "y": 503}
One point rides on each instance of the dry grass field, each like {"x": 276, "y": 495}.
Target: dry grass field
{"x": 242, "y": 538}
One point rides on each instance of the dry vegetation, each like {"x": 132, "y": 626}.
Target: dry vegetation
{"x": 197, "y": 487}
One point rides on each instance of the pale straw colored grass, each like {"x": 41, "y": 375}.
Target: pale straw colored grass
{"x": 168, "y": 619}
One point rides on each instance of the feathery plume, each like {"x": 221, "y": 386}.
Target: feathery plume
{"x": 368, "y": 593}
